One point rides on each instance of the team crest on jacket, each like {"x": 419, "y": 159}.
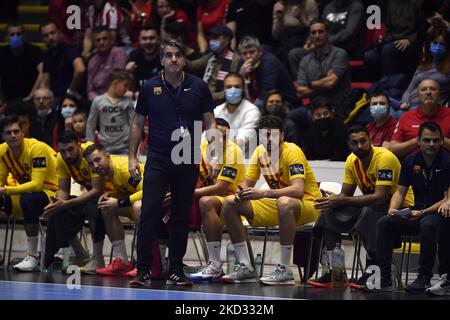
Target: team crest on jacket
{"x": 417, "y": 169}
{"x": 157, "y": 91}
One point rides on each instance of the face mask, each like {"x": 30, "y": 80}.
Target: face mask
{"x": 378, "y": 111}
{"x": 67, "y": 111}
{"x": 324, "y": 123}
{"x": 214, "y": 45}
{"x": 275, "y": 109}
{"x": 43, "y": 113}
{"x": 437, "y": 49}
{"x": 16, "y": 42}
{"x": 233, "y": 95}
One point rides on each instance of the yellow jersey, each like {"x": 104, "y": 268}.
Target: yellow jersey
{"x": 122, "y": 182}
{"x": 292, "y": 164}
{"x": 33, "y": 171}
{"x": 383, "y": 170}
{"x": 232, "y": 169}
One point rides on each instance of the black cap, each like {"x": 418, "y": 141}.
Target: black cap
{"x": 222, "y": 31}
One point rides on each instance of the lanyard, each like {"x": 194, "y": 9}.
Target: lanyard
{"x": 175, "y": 98}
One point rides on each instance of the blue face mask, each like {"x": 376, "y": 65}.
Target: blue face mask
{"x": 378, "y": 111}
{"x": 214, "y": 45}
{"x": 16, "y": 42}
{"x": 437, "y": 49}
{"x": 233, "y": 95}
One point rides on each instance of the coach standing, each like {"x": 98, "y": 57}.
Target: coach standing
{"x": 172, "y": 101}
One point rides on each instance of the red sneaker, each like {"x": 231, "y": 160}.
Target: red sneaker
{"x": 132, "y": 273}
{"x": 115, "y": 268}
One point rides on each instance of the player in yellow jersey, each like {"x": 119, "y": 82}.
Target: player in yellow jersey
{"x": 66, "y": 214}
{"x": 32, "y": 164}
{"x": 376, "y": 171}
{"x": 288, "y": 202}
{"x": 118, "y": 203}
{"x": 211, "y": 196}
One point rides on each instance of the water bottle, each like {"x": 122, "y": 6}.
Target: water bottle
{"x": 325, "y": 262}
{"x": 338, "y": 274}
{"x": 258, "y": 263}
{"x": 231, "y": 257}
{"x": 394, "y": 276}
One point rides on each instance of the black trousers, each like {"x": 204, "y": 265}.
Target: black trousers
{"x": 389, "y": 231}
{"x": 31, "y": 203}
{"x": 160, "y": 176}
{"x": 444, "y": 245}
{"x": 65, "y": 225}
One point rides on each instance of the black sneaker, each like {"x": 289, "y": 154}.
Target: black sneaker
{"x": 143, "y": 279}
{"x": 178, "y": 278}
{"x": 360, "y": 282}
{"x": 419, "y": 285}
{"x": 323, "y": 282}
{"x": 385, "y": 286}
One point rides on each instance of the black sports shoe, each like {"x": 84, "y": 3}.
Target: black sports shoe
{"x": 143, "y": 279}
{"x": 358, "y": 284}
{"x": 419, "y": 285}
{"x": 323, "y": 282}
{"x": 178, "y": 278}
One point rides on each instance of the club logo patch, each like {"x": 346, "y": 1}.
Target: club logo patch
{"x": 229, "y": 172}
{"x": 39, "y": 162}
{"x": 385, "y": 175}
{"x": 417, "y": 169}
{"x": 157, "y": 91}
{"x": 296, "y": 168}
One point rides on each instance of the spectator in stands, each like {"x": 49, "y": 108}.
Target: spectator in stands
{"x": 274, "y": 106}
{"x": 434, "y": 65}
{"x": 404, "y": 140}
{"x": 165, "y": 12}
{"x": 210, "y": 14}
{"x": 117, "y": 203}
{"x": 32, "y": 164}
{"x": 216, "y": 65}
{"x": 396, "y": 52}
{"x": 79, "y": 122}
{"x": 383, "y": 125}
{"x": 20, "y": 65}
{"x": 288, "y": 202}
{"x": 241, "y": 114}
{"x": 177, "y": 31}
{"x": 112, "y": 113}
{"x": 376, "y": 171}
{"x": 63, "y": 66}
{"x": 326, "y": 138}
{"x": 428, "y": 173}
{"x": 263, "y": 72}
{"x": 325, "y": 71}
{"x": 143, "y": 62}
{"x": 69, "y": 105}
{"x": 57, "y": 13}
{"x": 103, "y": 62}
{"x": 47, "y": 118}
{"x": 140, "y": 15}
{"x": 251, "y": 18}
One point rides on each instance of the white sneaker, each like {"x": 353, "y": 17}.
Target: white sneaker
{"x": 440, "y": 288}
{"x": 207, "y": 273}
{"x": 240, "y": 274}
{"x": 280, "y": 275}
{"x": 30, "y": 263}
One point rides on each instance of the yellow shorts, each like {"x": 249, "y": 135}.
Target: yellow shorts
{"x": 222, "y": 216}
{"x": 265, "y": 212}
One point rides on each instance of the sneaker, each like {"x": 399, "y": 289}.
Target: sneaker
{"x": 30, "y": 263}
{"x": 240, "y": 274}
{"x": 75, "y": 261}
{"x": 132, "y": 273}
{"x": 209, "y": 273}
{"x": 280, "y": 275}
{"x": 143, "y": 279}
{"x": 440, "y": 288}
{"x": 178, "y": 278}
{"x": 92, "y": 266}
{"x": 115, "y": 268}
{"x": 419, "y": 285}
{"x": 360, "y": 282}
{"x": 323, "y": 282}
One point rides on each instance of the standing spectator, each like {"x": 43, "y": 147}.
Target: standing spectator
{"x": 263, "y": 72}
{"x": 404, "y": 140}
{"x": 143, "y": 62}
{"x": 326, "y": 137}
{"x": 63, "y": 66}
{"x": 103, "y": 62}
{"x": 20, "y": 65}
{"x": 171, "y": 101}
{"x": 210, "y": 14}
{"x": 381, "y": 129}
{"x": 112, "y": 112}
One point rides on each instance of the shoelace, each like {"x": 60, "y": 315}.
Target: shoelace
{"x": 278, "y": 269}
{"x": 209, "y": 270}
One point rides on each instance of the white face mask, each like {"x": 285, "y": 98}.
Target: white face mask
{"x": 378, "y": 111}
{"x": 67, "y": 111}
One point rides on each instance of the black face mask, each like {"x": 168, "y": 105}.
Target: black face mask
{"x": 275, "y": 109}
{"x": 361, "y": 154}
{"x": 324, "y": 124}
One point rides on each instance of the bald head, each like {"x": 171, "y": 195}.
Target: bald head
{"x": 43, "y": 99}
